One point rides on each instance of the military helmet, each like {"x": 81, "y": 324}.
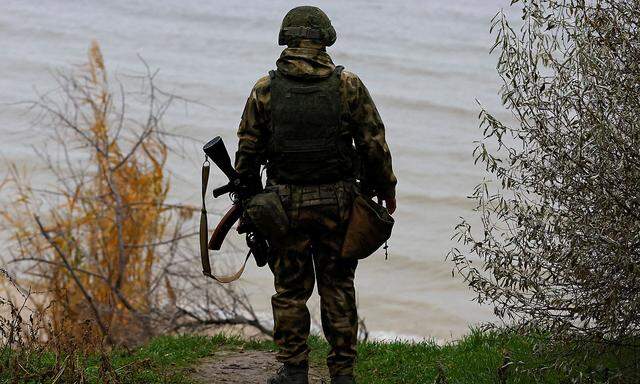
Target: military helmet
{"x": 306, "y": 22}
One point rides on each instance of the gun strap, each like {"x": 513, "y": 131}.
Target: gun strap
{"x": 204, "y": 234}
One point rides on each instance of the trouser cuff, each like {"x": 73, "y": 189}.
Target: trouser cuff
{"x": 300, "y": 360}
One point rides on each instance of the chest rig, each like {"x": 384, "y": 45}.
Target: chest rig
{"x": 308, "y": 144}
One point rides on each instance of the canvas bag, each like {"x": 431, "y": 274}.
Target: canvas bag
{"x": 267, "y": 214}
{"x": 369, "y": 227}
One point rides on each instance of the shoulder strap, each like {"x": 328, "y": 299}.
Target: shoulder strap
{"x": 204, "y": 234}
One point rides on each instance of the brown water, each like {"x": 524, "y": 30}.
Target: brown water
{"x": 425, "y": 63}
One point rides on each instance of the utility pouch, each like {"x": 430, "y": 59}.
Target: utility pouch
{"x": 369, "y": 227}
{"x": 267, "y": 214}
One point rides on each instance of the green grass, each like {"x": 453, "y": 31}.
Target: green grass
{"x": 488, "y": 357}
{"x": 164, "y": 360}
{"x": 475, "y": 359}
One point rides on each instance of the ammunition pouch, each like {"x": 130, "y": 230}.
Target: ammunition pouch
{"x": 267, "y": 215}
{"x": 369, "y": 227}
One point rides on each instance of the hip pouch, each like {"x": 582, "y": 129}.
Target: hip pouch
{"x": 369, "y": 227}
{"x": 267, "y": 214}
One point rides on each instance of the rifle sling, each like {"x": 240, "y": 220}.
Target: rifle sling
{"x": 204, "y": 234}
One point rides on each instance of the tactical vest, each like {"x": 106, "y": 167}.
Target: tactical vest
{"x": 308, "y": 144}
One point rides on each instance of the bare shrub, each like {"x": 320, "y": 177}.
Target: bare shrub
{"x": 559, "y": 237}
{"x": 98, "y": 234}
{"x": 22, "y": 341}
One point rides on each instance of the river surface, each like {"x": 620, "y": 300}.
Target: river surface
{"x": 424, "y": 62}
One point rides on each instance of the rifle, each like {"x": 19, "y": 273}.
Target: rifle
{"x": 217, "y": 152}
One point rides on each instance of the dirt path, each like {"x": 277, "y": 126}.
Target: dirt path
{"x": 245, "y": 367}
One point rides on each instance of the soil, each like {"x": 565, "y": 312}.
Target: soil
{"x": 246, "y": 367}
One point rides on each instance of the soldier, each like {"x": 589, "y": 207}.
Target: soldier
{"x": 317, "y": 131}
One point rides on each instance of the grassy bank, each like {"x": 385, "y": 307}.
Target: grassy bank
{"x": 478, "y": 358}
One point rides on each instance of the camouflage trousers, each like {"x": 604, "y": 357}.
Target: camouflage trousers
{"x": 310, "y": 253}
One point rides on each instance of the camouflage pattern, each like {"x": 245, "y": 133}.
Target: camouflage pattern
{"x": 310, "y": 252}
{"x": 360, "y": 114}
{"x": 318, "y": 214}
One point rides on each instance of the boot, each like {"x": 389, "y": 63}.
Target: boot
{"x": 343, "y": 380}
{"x": 291, "y": 374}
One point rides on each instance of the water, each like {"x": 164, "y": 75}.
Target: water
{"x": 424, "y": 62}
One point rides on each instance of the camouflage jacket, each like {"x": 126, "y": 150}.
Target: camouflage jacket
{"x": 364, "y": 121}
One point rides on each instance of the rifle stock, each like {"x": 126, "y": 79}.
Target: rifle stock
{"x": 216, "y": 151}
